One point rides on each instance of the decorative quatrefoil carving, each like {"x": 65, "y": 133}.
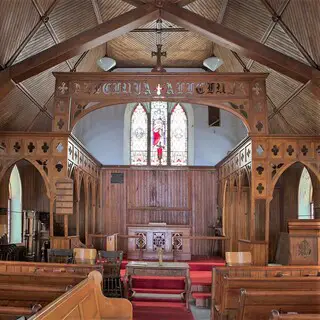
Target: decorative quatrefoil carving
{"x": 275, "y": 150}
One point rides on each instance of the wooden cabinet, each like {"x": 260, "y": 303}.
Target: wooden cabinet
{"x": 304, "y": 242}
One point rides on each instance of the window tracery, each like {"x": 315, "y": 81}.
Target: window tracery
{"x": 159, "y": 136}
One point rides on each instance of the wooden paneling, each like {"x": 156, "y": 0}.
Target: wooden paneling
{"x": 258, "y": 249}
{"x": 274, "y": 229}
{"x": 184, "y": 197}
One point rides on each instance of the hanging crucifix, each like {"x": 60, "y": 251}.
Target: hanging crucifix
{"x": 159, "y": 53}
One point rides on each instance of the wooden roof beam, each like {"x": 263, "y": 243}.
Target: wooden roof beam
{"x": 237, "y": 42}
{"x": 76, "y": 45}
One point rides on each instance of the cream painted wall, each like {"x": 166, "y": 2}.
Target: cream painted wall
{"x": 102, "y": 132}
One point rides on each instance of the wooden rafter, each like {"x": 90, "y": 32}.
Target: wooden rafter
{"x": 97, "y": 11}
{"x": 222, "y": 11}
{"x": 237, "y": 42}
{"x": 180, "y": 3}
{"x": 49, "y": 26}
{"x": 32, "y": 33}
{"x": 183, "y": 3}
{"x": 290, "y": 34}
{"x": 270, "y": 27}
{"x": 76, "y": 45}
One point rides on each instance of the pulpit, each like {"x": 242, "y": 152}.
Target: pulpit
{"x": 170, "y": 238}
{"x": 304, "y": 239}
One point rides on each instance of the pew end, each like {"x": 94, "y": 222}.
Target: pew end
{"x": 86, "y": 301}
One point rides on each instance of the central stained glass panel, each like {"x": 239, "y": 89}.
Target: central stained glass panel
{"x": 159, "y": 128}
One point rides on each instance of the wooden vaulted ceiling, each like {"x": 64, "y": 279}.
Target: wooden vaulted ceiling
{"x": 292, "y": 27}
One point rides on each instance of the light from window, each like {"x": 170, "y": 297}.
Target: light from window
{"x": 178, "y": 137}
{"x": 305, "y": 196}
{"x": 139, "y": 136}
{"x": 167, "y": 133}
{"x": 159, "y": 128}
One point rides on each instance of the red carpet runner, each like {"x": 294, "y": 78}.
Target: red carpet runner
{"x": 160, "y": 311}
{"x": 151, "y": 308}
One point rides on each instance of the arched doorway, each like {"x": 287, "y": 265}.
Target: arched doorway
{"x": 294, "y": 195}
{"x": 82, "y": 213}
{"x": 15, "y": 207}
{"x": 24, "y": 188}
{"x": 305, "y": 193}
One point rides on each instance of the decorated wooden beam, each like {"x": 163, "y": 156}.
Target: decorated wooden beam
{"x": 76, "y": 45}
{"x": 235, "y": 41}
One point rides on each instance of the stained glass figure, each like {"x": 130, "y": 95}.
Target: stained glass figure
{"x": 159, "y": 128}
{"x": 178, "y": 137}
{"x": 139, "y": 136}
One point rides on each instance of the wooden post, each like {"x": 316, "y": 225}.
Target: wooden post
{"x": 51, "y": 216}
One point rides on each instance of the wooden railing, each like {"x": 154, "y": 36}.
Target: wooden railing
{"x": 111, "y": 241}
{"x": 86, "y": 301}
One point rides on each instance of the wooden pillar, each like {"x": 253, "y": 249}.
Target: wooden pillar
{"x": 51, "y": 216}
{"x": 65, "y": 225}
{"x": 94, "y": 208}
{"x": 86, "y": 209}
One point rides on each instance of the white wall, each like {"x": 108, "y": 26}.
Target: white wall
{"x": 102, "y": 132}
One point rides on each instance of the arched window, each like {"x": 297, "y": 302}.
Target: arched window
{"x": 305, "y": 196}
{"x": 139, "y": 136}
{"x": 15, "y": 207}
{"x": 159, "y": 135}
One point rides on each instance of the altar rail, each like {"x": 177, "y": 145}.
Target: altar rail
{"x": 110, "y": 242}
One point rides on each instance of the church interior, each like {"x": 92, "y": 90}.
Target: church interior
{"x": 160, "y": 159}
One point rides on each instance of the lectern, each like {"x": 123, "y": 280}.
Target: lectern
{"x": 304, "y": 239}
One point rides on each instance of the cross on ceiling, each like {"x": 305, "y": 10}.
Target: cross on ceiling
{"x": 158, "y": 54}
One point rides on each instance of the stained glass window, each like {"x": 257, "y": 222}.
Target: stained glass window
{"x": 159, "y": 128}
{"x": 152, "y": 139}
{"x": 178, "y": 137}
{"x": 139, "y": 136}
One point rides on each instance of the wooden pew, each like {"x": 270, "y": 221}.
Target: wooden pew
{"x": 256, "y": 305}
{"x": 86, "y": 301}
{"x": 24, "y": 285}
{"x": 275, "y": 315}
{"x": 277, "y": 272}
{"x": 231, "y": 287}
{"x": 38, "y": 267}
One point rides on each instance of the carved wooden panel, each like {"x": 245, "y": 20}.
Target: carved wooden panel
{"x": 243, "y": 94}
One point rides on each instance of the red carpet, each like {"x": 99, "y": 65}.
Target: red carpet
{"x": 150, "y": 307}
{"x": 160, "y": 311}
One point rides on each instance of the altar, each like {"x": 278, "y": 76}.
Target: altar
{"x": 170, "y": 238}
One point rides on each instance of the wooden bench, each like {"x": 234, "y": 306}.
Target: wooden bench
{"x": 38, "y": 267}
{"x": 231, "y": 287}
{"x": 275, "y": 315}
{"x": 256, "y": 305}
{"x": 274, "y": 272}
{"x": 85, "y": 301}
{"x": 25, "y": 286}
